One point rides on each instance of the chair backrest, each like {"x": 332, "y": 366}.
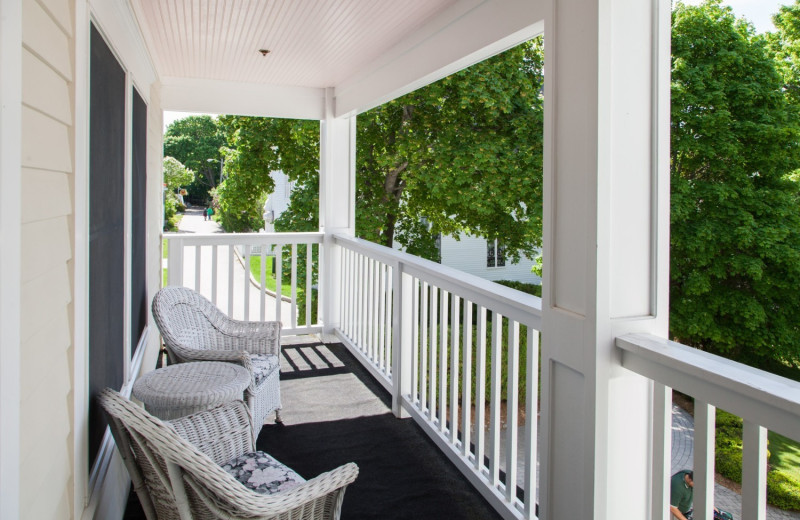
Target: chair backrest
{"x": 157, "y": 457}
{"x": 186, "y": 320}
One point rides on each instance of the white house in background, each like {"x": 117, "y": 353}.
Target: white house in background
{"x": 473, "y": 255}
{"x": 485, "y": 258}
{"x": 278, "y": 200}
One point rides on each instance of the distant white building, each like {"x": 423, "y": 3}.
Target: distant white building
{"x": 473, "y": 255}
{"x": 278, "y": 200}
{"x": 486, "y": 259}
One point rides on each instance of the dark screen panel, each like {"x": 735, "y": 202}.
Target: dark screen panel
{"x": 106, "y": 230}
{"x": 138, "y": 220}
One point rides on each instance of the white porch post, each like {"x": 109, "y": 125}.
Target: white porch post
{"x": 10, "y": 238}
{"x": 606, "y": 225}
{"x": 337, "y": 154}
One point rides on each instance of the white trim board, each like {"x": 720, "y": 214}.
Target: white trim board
{"x": 10, "y": 262}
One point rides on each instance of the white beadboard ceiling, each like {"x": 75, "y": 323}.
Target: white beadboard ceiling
{"x": 312, "y": 43}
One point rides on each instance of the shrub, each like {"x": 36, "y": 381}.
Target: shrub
{"x": 530, "y": 288}
{"x": 728, "y": 458}
{"x": 783, "y": 490}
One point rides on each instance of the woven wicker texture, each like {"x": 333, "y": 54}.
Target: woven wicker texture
{"x": 176, "y": 472}
{"x": 187, "y": 388}
{"x": 194, "y": 329}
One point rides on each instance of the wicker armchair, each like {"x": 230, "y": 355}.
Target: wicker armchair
{"x": 194, "y": 329}
{"x": 184, "y": 469}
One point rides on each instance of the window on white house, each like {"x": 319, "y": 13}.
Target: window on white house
{"x": 495, "y": 253}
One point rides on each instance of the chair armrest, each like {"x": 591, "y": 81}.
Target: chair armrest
{"x": 222, "y": 433}
{"x": 231, "y": 356}
{"x": 255, "y": 337}
{"x": 323, "y": 493}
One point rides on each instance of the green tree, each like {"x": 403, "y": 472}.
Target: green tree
{"x": 463, "y": 154}
{"x": 735, "y": 246}
{"x": 175, "y": 176}
{"x": 195, "y": 141}
{"x": 257, "y": 146}
{"x": 784, "y": 44}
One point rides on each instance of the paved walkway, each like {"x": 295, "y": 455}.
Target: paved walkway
{"x": 683, "y": 458}
{"x": 193, "y": 222}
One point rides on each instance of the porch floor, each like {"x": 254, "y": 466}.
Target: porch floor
{"x": 334, "y": 412}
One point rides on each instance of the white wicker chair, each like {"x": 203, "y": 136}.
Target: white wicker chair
{"x": 177, "y": 467}
{"x": 194, "y": 329}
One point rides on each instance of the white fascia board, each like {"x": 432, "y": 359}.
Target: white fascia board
{"x": 116, "y": 21}
{"x": 251, "y": 99}
{"x": 463, "y": 35}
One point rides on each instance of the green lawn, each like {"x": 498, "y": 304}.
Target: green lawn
{"x": 164, "y": 256}
{"x": 255, "y": 269}
{"x": 784, "y": 454}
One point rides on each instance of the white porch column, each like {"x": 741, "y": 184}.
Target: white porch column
{"x": 606, "y": 225}
{"x": 10, "y": 258}
{"x": 337, "y": 157}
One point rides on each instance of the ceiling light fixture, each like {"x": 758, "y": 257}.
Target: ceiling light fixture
{"x": 263, "y": 52}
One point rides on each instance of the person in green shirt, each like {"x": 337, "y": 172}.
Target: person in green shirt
{"x": 681, "y": 494}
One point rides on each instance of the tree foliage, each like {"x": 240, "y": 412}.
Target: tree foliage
{"x": 462, "y": 154}
{"x": 735, "y": 246}
{"x": 256, "y": 147}
{"x": 785, "y": 47}
{"x": 195, "y": 141}
{"x": 176, "y": 174}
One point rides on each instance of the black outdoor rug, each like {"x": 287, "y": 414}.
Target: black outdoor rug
{"x": 334, "y": 412}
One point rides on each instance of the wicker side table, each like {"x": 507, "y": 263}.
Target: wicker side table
{"x": 186, "y": 388}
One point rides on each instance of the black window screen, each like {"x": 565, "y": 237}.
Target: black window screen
{"x": 138, "y": 220}
{"x": 106, "y": 230}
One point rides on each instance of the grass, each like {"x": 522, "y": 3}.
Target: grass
{"x": 255, "y": 269}
{"x": 164, "y": 254}
{"x": 784, "y": 454}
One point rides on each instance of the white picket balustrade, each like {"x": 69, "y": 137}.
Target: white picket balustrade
{"x": 218, "y": 266}
{"x": 764, "y": 401}
{"x": 449, "y": 347}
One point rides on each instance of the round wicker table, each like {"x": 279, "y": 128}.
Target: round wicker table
{"x": 186, "y": 388}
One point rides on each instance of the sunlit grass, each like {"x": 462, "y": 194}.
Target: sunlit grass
{"x": 255, "y": 269}
{"x": 784, "y": 454}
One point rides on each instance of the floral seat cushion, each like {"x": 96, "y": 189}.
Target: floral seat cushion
{"x": 264, "y": 365}
{"x": 263, "y": 474}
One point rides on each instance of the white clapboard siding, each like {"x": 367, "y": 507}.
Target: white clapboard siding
{"x": 469, "y": 255}
{"x": 45, "y": 38}
{"x": 46, "y": 142}
{"x": 45, "y": 247}
{"x": 48, "y": 188}
{"x": 44, "y": 89}
{"x": 46, "y": 261}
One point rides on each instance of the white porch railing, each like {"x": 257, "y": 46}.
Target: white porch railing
{"x": 422, "y": 330}
{"x": 763, "y": 400}
{"x": 460, "y": 356}
{"x": 218, "y": 266}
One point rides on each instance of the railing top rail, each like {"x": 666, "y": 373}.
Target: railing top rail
{"x": 521, "y": 306}
{"x": 767, "y": 399}
{"x": 246, "y": 238}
